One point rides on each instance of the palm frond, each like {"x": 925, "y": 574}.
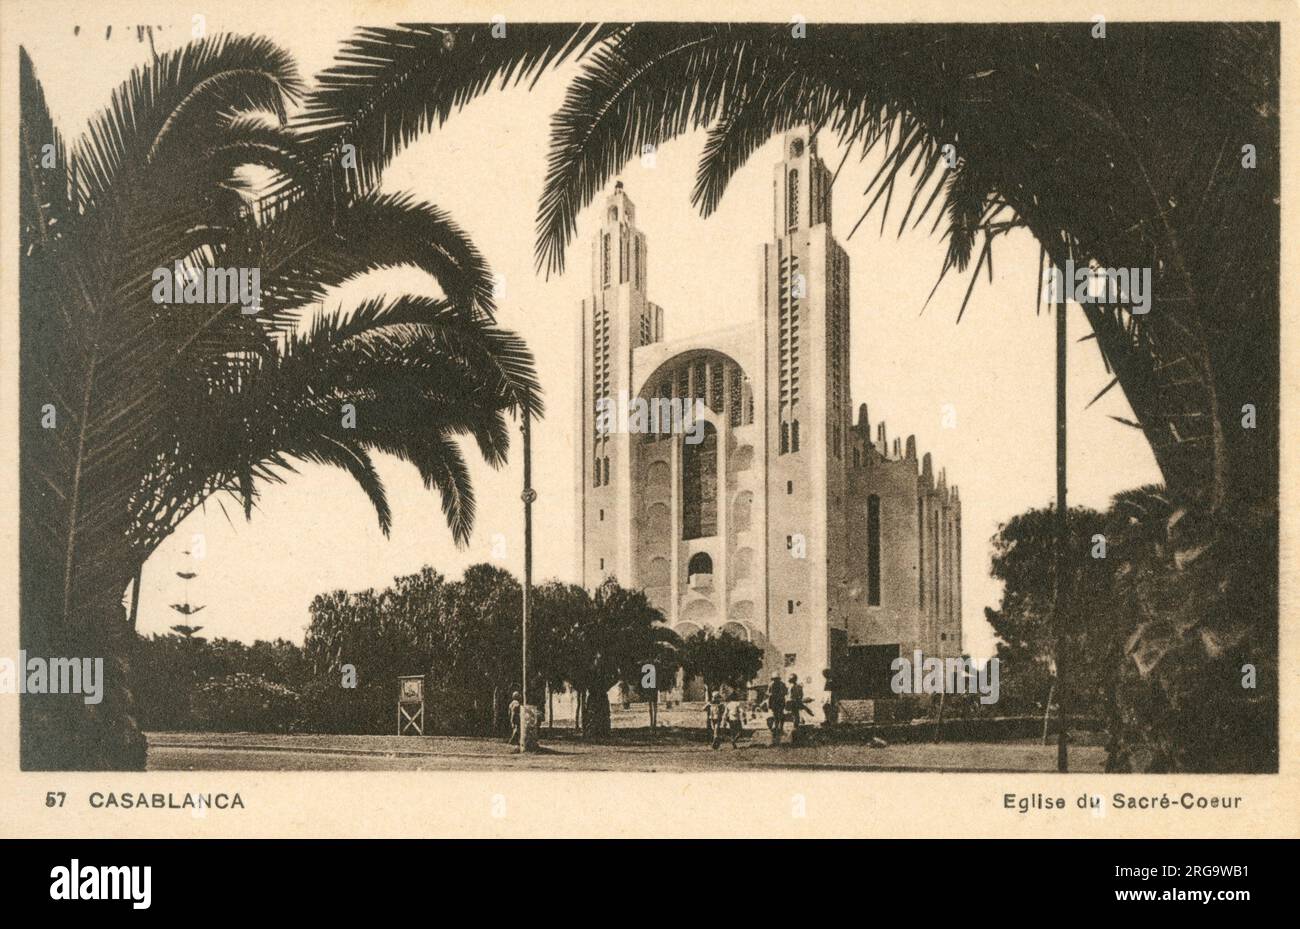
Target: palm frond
{"x": 179, "y": 97}
{"x": 389, "y": 85}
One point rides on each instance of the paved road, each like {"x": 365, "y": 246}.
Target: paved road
{"x": 249, "y": 751}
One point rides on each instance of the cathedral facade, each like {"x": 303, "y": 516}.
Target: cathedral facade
{"x": 778, "y": 516}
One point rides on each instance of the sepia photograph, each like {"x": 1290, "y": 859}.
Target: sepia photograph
{"x": 562, "y": 392}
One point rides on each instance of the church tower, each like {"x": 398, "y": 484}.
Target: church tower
{"x": 615, "y": 320}
{"x": 805, "y": 299}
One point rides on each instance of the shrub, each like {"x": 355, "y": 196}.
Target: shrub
{"x": 368, "y": 709}
{"x": 244, "y": 703}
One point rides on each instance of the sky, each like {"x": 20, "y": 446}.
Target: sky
{"x": 317, "y": 532}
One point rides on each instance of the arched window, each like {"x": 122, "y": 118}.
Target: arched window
{"x": 700, "y": 485}
{"x": 735, "y": 397}
{"x": 873, "y": 550}
{"x": 920, "y": 553}
{"x": 792, "y": 199}
{"x": 736, "y": 629}
{"x": 700, "y": 563}
{"x": 935, "y": 580}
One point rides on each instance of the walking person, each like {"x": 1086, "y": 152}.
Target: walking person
{"x": 735, "y": 717}
{"x": 794, "y": 701}
{"x": 776, "y": 703}
{"x": 516, "y": 705}
{"x": 714, "y": 713}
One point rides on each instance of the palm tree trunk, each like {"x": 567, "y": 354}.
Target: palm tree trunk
{"x": 87, "y": 731}
{"x": 595, "y": 720}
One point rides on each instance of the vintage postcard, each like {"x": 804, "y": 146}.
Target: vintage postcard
{"x": 598, "y": 418}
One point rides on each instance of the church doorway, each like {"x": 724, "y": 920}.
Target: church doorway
{"x": 864, "y": 672}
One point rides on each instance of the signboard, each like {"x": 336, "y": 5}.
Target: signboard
{"x": 412, "y": 689}
{"x": 410, "y": 704}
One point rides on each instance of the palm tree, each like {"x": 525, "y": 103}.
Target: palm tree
{"x": 1197, "y": 687}
{"x": 610, "y": 636}
{"x": 135, "y": 413}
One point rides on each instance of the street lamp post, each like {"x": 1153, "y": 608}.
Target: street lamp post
{"x": 1059, "y": 593}
{"x": 528, "y": 496}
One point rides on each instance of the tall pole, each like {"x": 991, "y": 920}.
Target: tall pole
{"x": 529, "y": 495}
{"x": 1061, "y": 565}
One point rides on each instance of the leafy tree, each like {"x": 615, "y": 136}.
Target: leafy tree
{"x": 464, "y": 635}
{"x": 1162, "y": 629}
{"x": 358, "y": 644}
{"x": 280, "y": 661}
{"x": 483, "y": 620}
{"x": 720, "y": 659}
{"x": 602, "y": 639}
{"x": 391, "y": 631}
{"x": 559, "y": 613}
{"x": 1022, "y": 558}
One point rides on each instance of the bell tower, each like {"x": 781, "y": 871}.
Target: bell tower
{"x": 616, "y": 319}
{"x": 805, "y": 298}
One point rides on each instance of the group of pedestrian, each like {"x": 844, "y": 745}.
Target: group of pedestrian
{"x": 726, "y": 718}
{"x": 782, "y": 700}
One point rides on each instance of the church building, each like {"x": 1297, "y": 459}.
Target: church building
{"x": 781, "y": 517}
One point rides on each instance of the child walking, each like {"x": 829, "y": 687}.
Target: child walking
{"x": 735, "y": 717}
{"x": 714, "y": 712}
